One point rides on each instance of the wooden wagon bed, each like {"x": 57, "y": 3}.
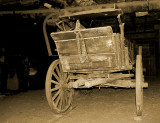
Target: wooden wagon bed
{"x": 91, "y": 49}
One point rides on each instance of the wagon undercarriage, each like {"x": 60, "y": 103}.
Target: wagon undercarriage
{"x": 113, "y": 80}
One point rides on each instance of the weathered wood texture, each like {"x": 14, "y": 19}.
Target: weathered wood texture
{"x": 102, "y": 81}
{"x": 124, "y": 84}
{"x": 98, "y": 12}
{"x": 103, "y": 49}
{"x": 99, "y": 80}
{"x": 127, "y": 7}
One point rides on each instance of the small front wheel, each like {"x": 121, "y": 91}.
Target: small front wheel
{"x": 59, "y": 97}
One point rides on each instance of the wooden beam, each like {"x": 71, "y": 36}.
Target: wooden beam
{"x": 35, "y": 11}
{"x": 95, "y": 12}
{"x": 127, "y": 7}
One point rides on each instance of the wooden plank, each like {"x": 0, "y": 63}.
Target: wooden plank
{"x": 93, "y": 46}
{"x": 86, "y": 33}
{"x": 109, "y": 70}
{"x": 95, "y": 74}
{"x": 82, "y": 76}
{"x": 95, "y": 61}
{"x": 67, "y": 47}
{"x": 100, "y": 45}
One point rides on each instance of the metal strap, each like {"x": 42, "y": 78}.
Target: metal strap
{"x": 80, "y": 43}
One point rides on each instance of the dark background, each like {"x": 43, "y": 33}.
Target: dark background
{"x": 23, "y": 46}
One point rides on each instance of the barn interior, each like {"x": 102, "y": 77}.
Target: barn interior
{"x": 24, "y": 55}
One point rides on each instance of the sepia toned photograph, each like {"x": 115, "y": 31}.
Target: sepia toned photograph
{"x": 79, "y": 61}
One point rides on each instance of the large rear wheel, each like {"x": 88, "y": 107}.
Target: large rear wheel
{"x": 59, "y": 96}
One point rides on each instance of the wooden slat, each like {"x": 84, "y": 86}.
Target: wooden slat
{"x": 95, "y": 61}
{"x": 90, "y": 32}
{"x": 93, "y": 46}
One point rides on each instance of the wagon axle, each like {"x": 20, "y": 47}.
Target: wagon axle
{"x": 104, "y": 82}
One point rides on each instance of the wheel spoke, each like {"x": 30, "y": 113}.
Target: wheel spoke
{"x": 58, "y": 99}
{"x": 64, "y": 100}
{"x": 67, "y": 79}
{"x": 59, "y": 74}
{"x": 60, "y": 103}
{"x": 54, "y": 82}
{"x": 66, "y": 97}
{"x": 60, "y": 68}
{"x": 55, "y": 75}
{"x": 57, "y": 93}
{"x": 54, "y": 89}
{"x": 65, "y": 76}
{"x": 63, "y": 103}
{"x": 64, "y": 29}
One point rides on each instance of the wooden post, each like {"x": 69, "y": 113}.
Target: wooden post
{"x": 126, "y": 56}
{"x": 121, "y": 26}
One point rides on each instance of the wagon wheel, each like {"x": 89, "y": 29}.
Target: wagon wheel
{"x": 139, "y": 85}
{"x": 59, "y": 96}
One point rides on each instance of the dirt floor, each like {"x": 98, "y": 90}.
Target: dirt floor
{"x": 107, "y": 105}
